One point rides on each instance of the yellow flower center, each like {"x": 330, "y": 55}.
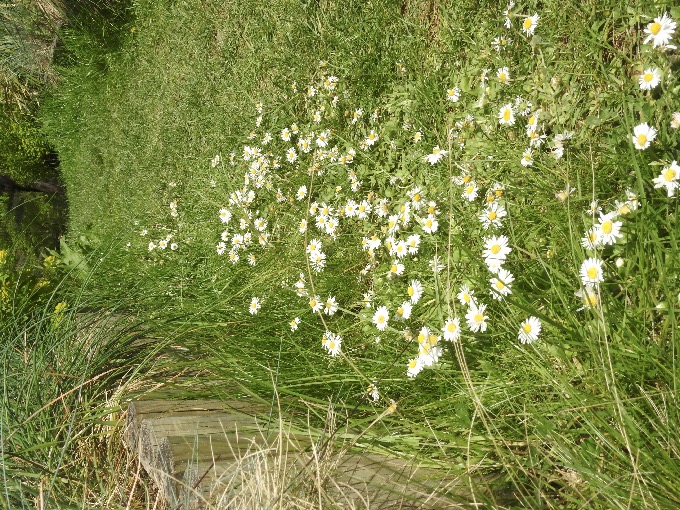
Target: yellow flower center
{"x": 467, "y": 179}
{"x": 492, "y": 215}
{"x": 421, "y": 338}
{"x": 532, "y": 120}
{"x": 607, "y": 227}
{"x": 466, "y": 298}
{"x": 411, "y": 291}
{"x": 499, "y": 193}
{"x": 451, "y": 328}
{"x": 312, "y": 303}
{"x": 381, "y": 319}
{"x": 502, "y": 77}
{"x": 470, "y": 189}
{"x": 591, "y": 299}
{"x": 400, "y": 311}
{"x": 433, "y": 340}
{"x": 479, "y": 317}
{"x": 331, "y": 345}
{"x": 500, "y": 285}
{"x": 592, "y": 273}
{"x": 506, "y": 114}
{"x": 412, "y": 363}
{"x": 416, "y": 197}
{"x": 527, "y": 328}
{"x": 642, "y": 140}
{"x": 655, "y": 28}
{"x": 394, "y": 268}
{"x": 428, "y": 223}
{"x": 490, "y": 198}
{"x": 495, "y": 249}
{"x": 527, "y": 23}
{"x": 648, "y": 77}
{"x": 669, "y": 174}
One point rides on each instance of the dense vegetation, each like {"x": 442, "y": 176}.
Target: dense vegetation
{"x": 461, "y": 219}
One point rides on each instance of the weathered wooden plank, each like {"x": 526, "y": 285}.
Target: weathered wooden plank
{"x": 198, "y": 451}
{"x": 169, "y": 409}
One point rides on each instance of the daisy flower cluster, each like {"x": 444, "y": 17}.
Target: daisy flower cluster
{"x": 605, "y": 232}
{"x": 357, "y": 196}
{"x": 659, "y": 33}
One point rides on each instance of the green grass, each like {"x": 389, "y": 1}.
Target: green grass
{"x": 587, "y": 414}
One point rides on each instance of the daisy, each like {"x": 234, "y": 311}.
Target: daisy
{"x": 529, "y": 330}
{"x": 285, "y": 135}
{"x": 675, "y": 120}
{"x": 225, "y": 215}
{"x": 660, "y": 31}
{"x": 506, "y": 116}
{"x": 650, "y": 78}
{"x": 291, "y": 155}
{"x": 221, "y": 248}
{"x": 643, "y": 136}
{"x": 592, "y": 239}
{"x": 331, "y": 306}
{"x": 254, "y": 306}
{"x": 233, "y": 256}
{"x": 393, "y": 223}
{"x": 470, "y": 191}
{"x": 413, "y": 242}
{"x": 417, "y": 136}
{"x": 363, "y": 210}
{"x": 401, "y": 249}
{"x": 373, "y": 393}
{"x": 301, "y": 192}
{"x": 669, "y": 178}
{"x": 453, "y": 94}
{"x": 591, "y": 271}
{"x": 532, "y": 122}
{"x": 465, "y": 296}
{"x": 452, "y": 329}
{"x": 315, "y": 303}
{"x": 430, "y": 224}
{"x": 302, "y": 227}
{"x": 357, "y": 115}
{"x": 404, "y": 311}
{"x": 294, "y": 323}
{"x": 503, "y": 75}
{"x": 527, "y": 159}
{"x": 476, "y": 320}
{"x": 381, "y": 317}
{"x": 492, "y": 215}
{"x": 299, "y": 286}
{"x": 588, "y": 296}
{"x": 333, "y": 343}
{"x": 414, "y": 291}
{"x": 501, "y": 284}
{"x": 436, "y": 156}
{"x": 435, "y": 265}
{"x": 396, "y": 268}
{"x": 529, "y": 24}
{"x": 609, "y": 230}
{"x": 414, "y": 367}
{"x": 432, "y": 208}
{"x": 318, "y": 261}
{"x": 260, "y": 224}
{"x": 372, "y": 138}
{"x": 496, "y": 248}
